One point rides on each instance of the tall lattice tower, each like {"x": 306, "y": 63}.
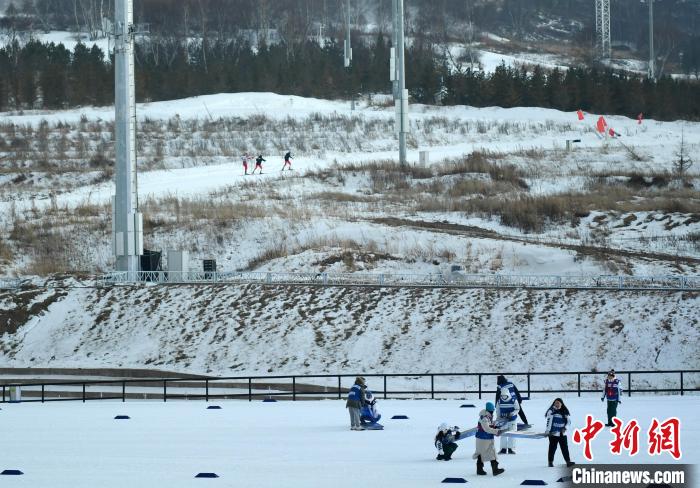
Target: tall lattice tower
{"x": 602, "y": 28}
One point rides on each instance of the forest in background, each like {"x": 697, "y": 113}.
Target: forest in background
{"x": 198, "y": 47}
{"x": 36, "y": 75}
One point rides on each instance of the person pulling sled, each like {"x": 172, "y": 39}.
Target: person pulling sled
{"x": 484, "y": 448}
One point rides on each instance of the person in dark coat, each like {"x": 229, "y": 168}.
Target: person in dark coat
{"x": 258, "y": 163}
{"x": 558, "y": 422}
{"x": 355, "y": 402}
{"x": 287, "y": 161}
{"x": 501, "y": 381}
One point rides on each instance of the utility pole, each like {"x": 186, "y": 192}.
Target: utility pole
{"x": 393, "y": 74}
{"x": 602, "y": 28}
{"x": 127, "y": 223}
{"x": 399, "y": 78}
{"x": 652, "y": 62}
{"x": 348, "y": 47}
{"x": 348, "y": 53}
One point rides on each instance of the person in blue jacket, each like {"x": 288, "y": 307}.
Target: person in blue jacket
{"x": 484, "y": 450}
{"x": 507, "y": 408}
{"x": 355, "y": 402}
{"x": 612, "y": 392}
{"x": 503, "y": 381}
{"x": 558, "y": 421}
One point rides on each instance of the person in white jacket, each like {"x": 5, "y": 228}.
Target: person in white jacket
{"x": 558, "y": 422}
{"x": 484, "y": 450}
{"x": 508, "y": 408}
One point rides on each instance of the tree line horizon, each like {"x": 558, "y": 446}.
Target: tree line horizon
{"x": 40, "y": 75}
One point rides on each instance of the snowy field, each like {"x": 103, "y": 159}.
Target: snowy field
{"x": 286, "y": 444}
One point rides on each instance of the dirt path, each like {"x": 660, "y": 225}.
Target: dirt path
{"x": 472, "y": 231}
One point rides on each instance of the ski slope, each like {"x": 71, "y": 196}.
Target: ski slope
{"x": 293, "y": 444}
{"x": 531, "y": 128}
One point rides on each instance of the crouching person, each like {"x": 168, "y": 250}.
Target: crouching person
{"x": 445, "y": 441}
{"x": 485, "y": 449}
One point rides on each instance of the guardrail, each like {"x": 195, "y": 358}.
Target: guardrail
{"x": 434, "y": 385}
{"x": 436, "y": 280}
{"x": 9, "y": 283}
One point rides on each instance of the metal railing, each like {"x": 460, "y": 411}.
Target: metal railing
{"x": 9, "y": 283}
{"x": 438, "y": 280}
{"x": 327, "y": 386}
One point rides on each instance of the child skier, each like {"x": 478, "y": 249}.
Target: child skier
{"x": 445, "y": 441}
{"x": 258, "y": 163}
{"x": 558, "y": 421}
{"x": 287, "y": 162}
{"x": 484, "y": 448}
{"x": 245, "y": 163}
{"x": 612, "y": 392}
{"x": 508, "y": 407}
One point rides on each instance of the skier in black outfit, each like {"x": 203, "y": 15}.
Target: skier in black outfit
{"x": 501, "y": 380}
{"x": 287, "y": 161}
{"x": 258, "y": 164}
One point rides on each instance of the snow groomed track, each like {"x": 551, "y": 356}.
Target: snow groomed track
{"x": 294, "y": 444}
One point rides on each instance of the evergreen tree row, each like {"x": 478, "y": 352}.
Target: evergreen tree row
{"x": 37, "y": 75}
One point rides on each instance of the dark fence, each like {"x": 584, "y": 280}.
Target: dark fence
{"x": 298, "y": 387}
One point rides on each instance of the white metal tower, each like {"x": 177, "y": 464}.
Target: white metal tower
{"x": 398, "y": 77}
{"x": 127, "y": 226}
{"x": 652, "y": 62}
{"x": 602, "y": 28}
{"x": 347, "y": 46}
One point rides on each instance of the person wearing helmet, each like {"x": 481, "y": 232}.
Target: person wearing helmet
{"x": 613, "y": 394}
{"x": 484, "y": 447}
{"x": 355, "y": 402}
{"x": 507, "y": 408}
{"x": 445, "y": 441}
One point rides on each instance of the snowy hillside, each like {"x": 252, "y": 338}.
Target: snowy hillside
{"x": 241, "y": 330}
{"x": 619, "y": 197}
{"x": 499, "y": 194}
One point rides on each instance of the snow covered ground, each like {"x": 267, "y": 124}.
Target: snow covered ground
{"x": 190, "y": 150}
{"x": 294, "y": 444}
{"x": 68, "y": 39}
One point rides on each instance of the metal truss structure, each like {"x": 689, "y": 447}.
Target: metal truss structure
{"x": 437, "y": 280}
{"x": 602, "y": 28}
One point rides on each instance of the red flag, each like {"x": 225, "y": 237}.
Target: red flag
{"x": 601, "y": 125}
{"x": 640, "y": 117}
{"x": 580, "y": 114}
{"x": 612, "y": 132}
